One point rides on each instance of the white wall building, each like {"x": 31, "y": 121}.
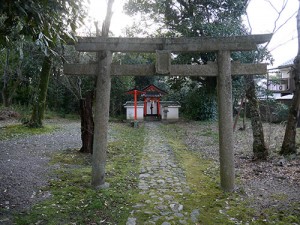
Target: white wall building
{"x": 169, "y": 110}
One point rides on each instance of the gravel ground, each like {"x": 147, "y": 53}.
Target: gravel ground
{"x": 24, "y": 166}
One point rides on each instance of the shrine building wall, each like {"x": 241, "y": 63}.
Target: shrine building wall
{"x": 130, "y": 112}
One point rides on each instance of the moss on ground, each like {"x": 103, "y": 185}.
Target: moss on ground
{"x": 20, "y": 130}
{"x": 217, "y": 207}
{"x": 74, "y": 201}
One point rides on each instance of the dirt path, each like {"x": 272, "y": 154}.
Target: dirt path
{"x": 24, "y": 166}
{"x": 162, "y": 184}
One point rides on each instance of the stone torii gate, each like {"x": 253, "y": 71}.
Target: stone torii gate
{"x": 222, "y": 69}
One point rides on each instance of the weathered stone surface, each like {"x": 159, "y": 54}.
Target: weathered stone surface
{"x": 161, "y": 190}
{"x": 163, "y": 62}
{"x": 144, "y": 175}
{"x": 176, "y": 207}
{"x": 182, "y": 222}
{"x": 182, "y": 44}
{"x": 165, "y": 223}
{"x": 175, "y": 70}
{"x": 131, "y": 221}
{"x": 224, "y": 86}
{"x": 195, "y": 215}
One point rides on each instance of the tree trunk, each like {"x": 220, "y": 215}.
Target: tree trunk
{"x": 103, "y": 86}
{"x": 101, "y": 122}
{"x": 86, "y": 114}
{"x": 5, "y": 96}
{"x": 5, "y": 78}
{"x": 10, "y": 85}
{"x": 260, "y": 150}
{"x": 87, "y": 123}
{"x": 40, "y": 104}
{"x": 289, "y": 142}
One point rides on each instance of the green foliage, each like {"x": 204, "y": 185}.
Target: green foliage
{"x": 271, "y": 109}
{"x": 200, "y": 104}
{"x": 238, "y": 89}
{"x": 49, "y": 24}
{"x": 44, "y": 21}
{"x": 137, "y": 58}
{"x": 73, "y": 200}
{"x": 192, "y": 18}
{"x": 60, "y": 98}
{"x": 119, "y": 85}
{"x": 21, "y": 64}
{"x": 281, "y": 112}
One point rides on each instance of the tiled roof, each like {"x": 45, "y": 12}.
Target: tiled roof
{"x": 163, "y": 103}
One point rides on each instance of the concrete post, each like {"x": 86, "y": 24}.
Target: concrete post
{"x": 101, "y": 121}
{"x": 225, "y": 121}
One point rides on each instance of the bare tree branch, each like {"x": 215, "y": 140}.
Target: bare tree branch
{"x": 279, "y": 15}
{"x": 283, "y": 43}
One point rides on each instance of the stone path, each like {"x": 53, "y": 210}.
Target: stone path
{"x": 162, "y": 185}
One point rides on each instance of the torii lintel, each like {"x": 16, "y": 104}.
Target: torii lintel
{"x": 181, "y": 44}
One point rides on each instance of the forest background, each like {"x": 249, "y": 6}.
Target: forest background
{"x": 33, "y": 51}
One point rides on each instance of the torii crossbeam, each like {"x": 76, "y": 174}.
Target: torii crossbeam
{"x": 222, "y": 69}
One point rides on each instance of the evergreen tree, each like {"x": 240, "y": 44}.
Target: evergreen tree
{"x": 49, "y": 23}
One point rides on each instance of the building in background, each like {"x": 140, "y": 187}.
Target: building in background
{"x": 281, "y": 84}
{"x": 152, "y": 107}
{"x": 280, "y": 81}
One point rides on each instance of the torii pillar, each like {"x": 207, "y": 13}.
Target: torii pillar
{"x": 224, "y": 88}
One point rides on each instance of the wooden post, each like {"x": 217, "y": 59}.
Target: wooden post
{"x": 101, "y": 121}
{"x": 145, "y": 107}
{"x": 158, "y": 108}
{"x": 225, "y": 121}
{"x": 135, "y": 105}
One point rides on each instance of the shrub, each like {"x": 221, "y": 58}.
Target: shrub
{"x": 200, "y": 104}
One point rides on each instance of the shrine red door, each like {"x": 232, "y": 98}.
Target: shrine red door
{"x": 152, "y": 107}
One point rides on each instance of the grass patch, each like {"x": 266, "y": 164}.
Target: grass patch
{"x": 216, "y": 207}
{"x": 211, "y": 133}
{"x": 20, "y": 130}
{"x": 74, "y": 201}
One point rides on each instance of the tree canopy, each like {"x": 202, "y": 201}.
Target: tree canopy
{"x": 193, "y": 18}
{"x": 41, "y": 20}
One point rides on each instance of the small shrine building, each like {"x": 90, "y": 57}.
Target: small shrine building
{"x": 152, "y": 107}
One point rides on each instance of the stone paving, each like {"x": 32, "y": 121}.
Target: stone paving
{"x": 162, "y": 185}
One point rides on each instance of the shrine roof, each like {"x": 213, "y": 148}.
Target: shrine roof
{"x": 162, "y": 103}
{"x": 131, "y": 103}
{"x": 152, "y": 94}
{"x": 153, "y": 90}
{"x": 131, "y": 91}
